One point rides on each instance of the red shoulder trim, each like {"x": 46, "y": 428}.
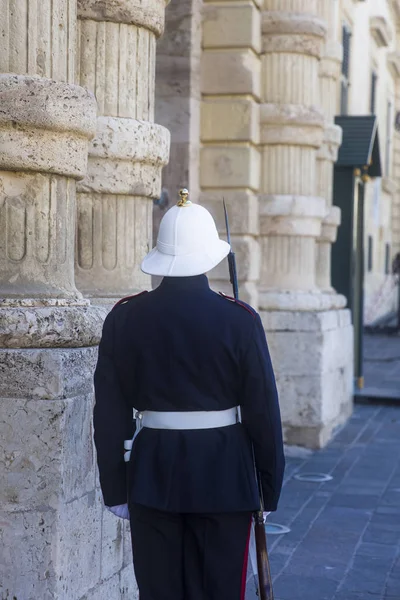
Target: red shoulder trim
{"x": 123, "y": 300}
{"x": 242, "y": 304}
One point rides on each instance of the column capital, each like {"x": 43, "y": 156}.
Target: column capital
{"x": 148, "y": 13}
{"x": 291, "y": 215}
{"x": 291, "y": 124}
{"x": 298, "y": 33}
{"x": 126, "y": 157}
{"x": 45, "y": 125}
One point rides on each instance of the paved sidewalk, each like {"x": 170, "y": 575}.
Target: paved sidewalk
{"x": 344, "y": 542}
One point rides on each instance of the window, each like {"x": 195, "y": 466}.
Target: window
{"x": 374, "y": 79}
{"x": 388, "y": 156}
{"x": 370, "y": 253}
{"x": 345, "y": 79}
{"x": 387, "y": 259}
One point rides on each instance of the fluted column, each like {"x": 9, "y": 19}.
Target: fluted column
{"x": 230, "y": 157}
{"x": 45, "y": 125}
{"x": 116, "y": 60}
{"x": 48, "y": 331}
{"x": 329, "y": 74}
{"x": 311, "y": 345}
{"x": 291, "y": 210}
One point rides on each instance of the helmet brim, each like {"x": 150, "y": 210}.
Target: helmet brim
{"x": 188, "y": 265}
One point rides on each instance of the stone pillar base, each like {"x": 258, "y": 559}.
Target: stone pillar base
{"x": 60, "y": 542}
{"x": 300, "y": 301}
{"x": 312, "y": 354}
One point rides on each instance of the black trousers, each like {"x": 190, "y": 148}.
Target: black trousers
{"x": 189, "y": 556}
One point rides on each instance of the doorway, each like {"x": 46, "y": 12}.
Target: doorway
{"x": 348, "y": 254}
{"x": 358, "y": 161}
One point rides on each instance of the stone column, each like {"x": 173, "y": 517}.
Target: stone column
{"x": 291, "y": 133}
{"x": 51, "y": 514}
{"x": 329, "y": 75}
{"x": 116, "y": 60}
{"x": 311, "y": 348}
{"x": 230, "y": 157}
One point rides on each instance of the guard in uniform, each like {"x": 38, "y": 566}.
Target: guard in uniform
{"x": 194, "y": 368}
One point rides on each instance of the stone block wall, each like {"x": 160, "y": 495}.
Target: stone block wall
{"x": 57, "y": 539}
{"x": 313, "y": 356}
{"x": 230, "y": 162}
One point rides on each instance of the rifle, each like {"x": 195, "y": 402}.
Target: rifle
{"x": 265, "y": 591}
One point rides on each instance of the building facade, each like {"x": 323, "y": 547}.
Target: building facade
{"x": 260, "y": 120}
{"x": 250, "y": 91}
{"x": 370, "y": 34}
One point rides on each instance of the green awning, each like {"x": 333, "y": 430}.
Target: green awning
{"x": 360, "y": 146}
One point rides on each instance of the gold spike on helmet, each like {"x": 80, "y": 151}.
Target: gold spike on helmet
{"x": 184, "y": 198}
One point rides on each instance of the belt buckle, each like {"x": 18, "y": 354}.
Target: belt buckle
{"x": 137, "y": 416}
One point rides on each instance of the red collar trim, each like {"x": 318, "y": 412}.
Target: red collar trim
{"x": 127, "y": 298}
{"x": 242, "y": 304}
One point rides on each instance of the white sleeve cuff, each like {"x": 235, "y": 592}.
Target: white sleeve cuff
{"x": 120, "y": 511}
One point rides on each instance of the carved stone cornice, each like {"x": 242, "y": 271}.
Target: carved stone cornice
{"x": 393, "y": 61}
{"x": 147, "y": 14}
{"x": 299, "y": 33}
{"x": 380, "y": 31}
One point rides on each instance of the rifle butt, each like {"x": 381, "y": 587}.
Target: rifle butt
{"x": 264, "y": 573}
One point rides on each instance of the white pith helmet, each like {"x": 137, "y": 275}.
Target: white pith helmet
{"x": 188, "y": 243}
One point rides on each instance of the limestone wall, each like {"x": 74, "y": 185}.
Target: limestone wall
{"x": 230, "y": 162}
{"x": 374, "y": 48}
{"x": 57, "y": 540}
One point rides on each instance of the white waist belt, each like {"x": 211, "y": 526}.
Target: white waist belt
{"x": 181, "y": 421}
{"x": 189, "y": 420}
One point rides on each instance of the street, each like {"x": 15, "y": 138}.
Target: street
{"x": 344, "y": 542}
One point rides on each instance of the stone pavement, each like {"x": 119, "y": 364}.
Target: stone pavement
{"x": 344, "y": 542}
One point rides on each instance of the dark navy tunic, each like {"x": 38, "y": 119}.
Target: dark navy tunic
{"x": 182, "y": 347}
